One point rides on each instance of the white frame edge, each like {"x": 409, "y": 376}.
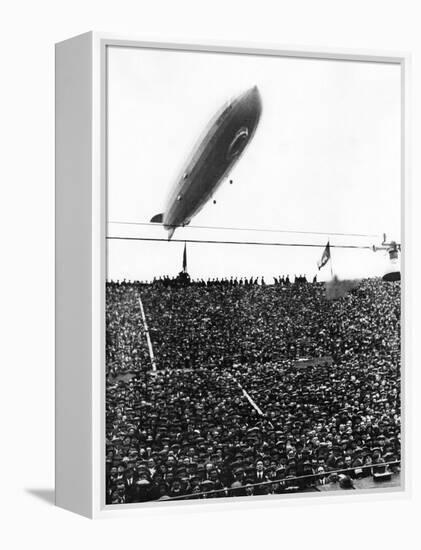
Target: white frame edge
{"x": 81, "y": 273}
{"x": 73, "y": 249}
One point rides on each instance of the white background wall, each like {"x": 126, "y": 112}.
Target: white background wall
{"x": 28, "y": 31}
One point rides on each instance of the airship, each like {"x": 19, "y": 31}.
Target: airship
{"x": 220, "y": 147}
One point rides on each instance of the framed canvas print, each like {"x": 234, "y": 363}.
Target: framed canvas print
{"x": 231, "y": 260}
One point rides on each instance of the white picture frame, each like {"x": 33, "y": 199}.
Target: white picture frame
{"x": 81, "y": 268}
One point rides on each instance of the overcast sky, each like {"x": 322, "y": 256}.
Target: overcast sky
{"x": 325, "y": 158}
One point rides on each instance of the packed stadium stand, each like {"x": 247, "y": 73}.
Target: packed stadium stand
{"x": 254, "y": 388}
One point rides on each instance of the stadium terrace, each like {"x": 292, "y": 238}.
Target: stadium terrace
{"x": 257, "y": 389}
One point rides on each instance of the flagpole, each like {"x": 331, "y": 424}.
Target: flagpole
{"x": 185, "y": 258}
{"x": 331, "y": 262}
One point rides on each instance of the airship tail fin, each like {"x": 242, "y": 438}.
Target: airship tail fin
{"x": 157, "y": 218}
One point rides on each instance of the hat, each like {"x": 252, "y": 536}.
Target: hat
{"x": 345, "y": 482}
{"x": 207, "y": 484}
{"x": 143, "y": 482}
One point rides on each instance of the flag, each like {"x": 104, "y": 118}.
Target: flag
{"x": 185, "y": 259}
{"x": 325, "y": 256}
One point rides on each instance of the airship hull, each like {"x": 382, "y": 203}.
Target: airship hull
{"x": 225, "y": 139}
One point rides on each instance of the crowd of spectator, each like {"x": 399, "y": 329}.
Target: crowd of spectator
{"x": 183, "y": 278}
{"x": 233, "y": 407}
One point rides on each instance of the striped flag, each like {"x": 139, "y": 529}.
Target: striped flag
{"x": 325, "y": 256}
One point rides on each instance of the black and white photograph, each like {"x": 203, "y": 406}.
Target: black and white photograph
{"x": 253, "y": 287}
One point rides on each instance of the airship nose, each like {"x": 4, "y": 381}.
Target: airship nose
{"x": 253, "y": 92}
{"x": 253, "y": 98}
